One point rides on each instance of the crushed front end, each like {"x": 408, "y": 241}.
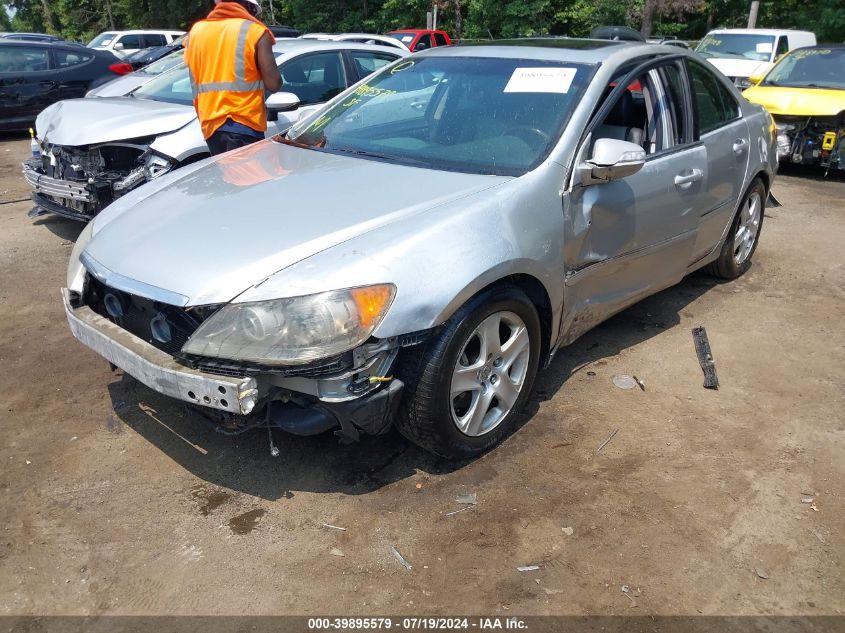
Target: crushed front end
{"x": 815, "y": 140}
{"x": 78, "y": 182}
{"x": 351, "y": 393}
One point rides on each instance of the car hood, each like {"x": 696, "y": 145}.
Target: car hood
{"x": 224, "y": 227}
{"x": 797, "y": 101}
{"x": 120, "y": 86}
{"x": 733, "y": 67}
{"x": 77, "y": 122}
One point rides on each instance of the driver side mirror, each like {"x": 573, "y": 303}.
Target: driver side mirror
{"x": 755, "y": 79}
{"x": 281, "y": 102}
{"x": 612, "y": 159}
{"x": 119, "y": 46}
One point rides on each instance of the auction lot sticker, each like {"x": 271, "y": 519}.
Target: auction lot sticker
{"x": 555, "y": 80}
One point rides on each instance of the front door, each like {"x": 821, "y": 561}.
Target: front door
{"x": 632, "y": 237}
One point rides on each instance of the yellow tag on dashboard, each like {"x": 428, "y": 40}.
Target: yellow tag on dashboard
{"x": 829, "y": 140}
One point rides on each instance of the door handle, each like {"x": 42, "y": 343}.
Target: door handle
{"x": 418, "y": 105}
{"x": 684, "y": 181}
{"x": 47, "y": 84}
{"x": 739, "y": 145}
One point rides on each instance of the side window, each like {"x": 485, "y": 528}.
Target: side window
{"x": 66, "y": 59}
{"x": 154, "y": 39}
{"x": 783, "y": 46}
{"x": 673, "y": 103}
{"x": 423, "y": 43}
{"x": 715, "y": 105}
{"x": 650, "y": 112}
{"x": 367, "y": 63}
{"x": 440, "y": 40}
{"x": 18, "y": 59}
{"x": 314, "y": 78}
{"x": 130, "y": 42}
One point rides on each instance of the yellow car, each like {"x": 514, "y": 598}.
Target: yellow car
{"x": 805, "y": 93}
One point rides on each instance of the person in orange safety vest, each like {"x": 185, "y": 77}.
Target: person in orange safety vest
{"x": 231, "y": 63}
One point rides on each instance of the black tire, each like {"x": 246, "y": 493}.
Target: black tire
{"x": 726, "y": 267}
{"x": 425, "y": 416}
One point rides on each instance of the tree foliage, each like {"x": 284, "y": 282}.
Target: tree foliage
{"x": 483, "y": 19}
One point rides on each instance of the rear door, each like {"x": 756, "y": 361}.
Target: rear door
{"x": 27, "y": 83}
{"x": 73, "y": 71}
{"x": 631, "y": 237}
{"x": 724, "y": 134}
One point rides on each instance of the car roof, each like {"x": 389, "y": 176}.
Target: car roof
{"x": 585, "y": 51}
{"x": 10, "y": 41}
{"x": 759, "y": 31}
{"x": 305, "y": 45}
{"x": 142, "y": 31}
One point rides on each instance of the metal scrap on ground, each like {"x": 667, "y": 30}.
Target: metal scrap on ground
{"x": 607, "y": 441}
{"x": 705, "y": 357}
{"x": 400, "y": 558}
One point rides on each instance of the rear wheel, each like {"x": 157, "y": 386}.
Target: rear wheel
{"x": 741, "y": 241}
{"x": 465, "y": 388}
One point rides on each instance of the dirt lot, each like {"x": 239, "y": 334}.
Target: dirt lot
{"x": 116, "y": 501}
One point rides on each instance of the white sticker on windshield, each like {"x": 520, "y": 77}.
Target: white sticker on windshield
{"x": 555, "y": 80}
{"x": 764, "y": 47}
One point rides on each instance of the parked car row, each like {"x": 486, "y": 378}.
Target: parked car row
{"x": 411, "y": 252}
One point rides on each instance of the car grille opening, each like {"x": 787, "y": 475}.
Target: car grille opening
{"x": 162, "y": 325}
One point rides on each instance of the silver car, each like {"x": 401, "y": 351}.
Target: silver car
{"x": 414, "y": 252}
{"x": 95, "y": 150}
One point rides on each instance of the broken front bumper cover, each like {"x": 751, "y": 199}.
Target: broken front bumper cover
{"x": 157, "y": 369}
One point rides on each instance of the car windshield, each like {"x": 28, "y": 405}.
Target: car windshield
{"x": 173, "y": 86}
{"x": 810, "y": 68}
{"x": 165, "y": 63}
{"x": 473, "y": 115}
{"x": 103, "y": 39}
{"x": 406, "y": 38}
{"x": 736, "y": 45}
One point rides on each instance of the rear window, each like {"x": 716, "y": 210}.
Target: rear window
{"x": 67, "y": 59}
{"x": 440, "y": 39}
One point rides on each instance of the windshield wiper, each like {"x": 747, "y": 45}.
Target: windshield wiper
{"x": 377, "y": 155}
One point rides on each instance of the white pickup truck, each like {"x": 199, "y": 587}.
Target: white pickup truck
{"x": 741, "y": 53}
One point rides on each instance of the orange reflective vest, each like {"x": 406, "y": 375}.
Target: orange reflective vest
{"x": 225, "y": 79}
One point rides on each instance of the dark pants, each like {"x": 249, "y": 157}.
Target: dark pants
{"x": 224, "y": 141}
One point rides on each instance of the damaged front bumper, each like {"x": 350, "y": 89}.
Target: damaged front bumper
{"x": 348, "y": 401}
{"x": 812, "y": 140}
{"x": 79, "y": 183}
{"x": 157, "y": 369}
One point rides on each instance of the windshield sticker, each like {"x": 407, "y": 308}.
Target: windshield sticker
{"x": 403, "y": 66}
{"x": 810, "y": 52}
{"x": 764, "y": 47}
{"x": 710, "y": 41}
{"x": 408, "y": 38}
{"x": 550, "y": 80}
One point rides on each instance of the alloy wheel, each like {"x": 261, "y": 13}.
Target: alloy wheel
{"x": 490, "y": 373}
{"x": 748, "y": 227}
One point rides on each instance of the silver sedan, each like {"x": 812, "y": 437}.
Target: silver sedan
{"x": 413, "y": 253}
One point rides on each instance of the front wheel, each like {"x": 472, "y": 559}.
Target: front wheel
{"x": 741, "y": 241}
{"x": 464, "y": 389}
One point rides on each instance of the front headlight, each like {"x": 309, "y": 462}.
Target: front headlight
{"x": 293, "y": 331}
{"x": 742, "y": 83}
